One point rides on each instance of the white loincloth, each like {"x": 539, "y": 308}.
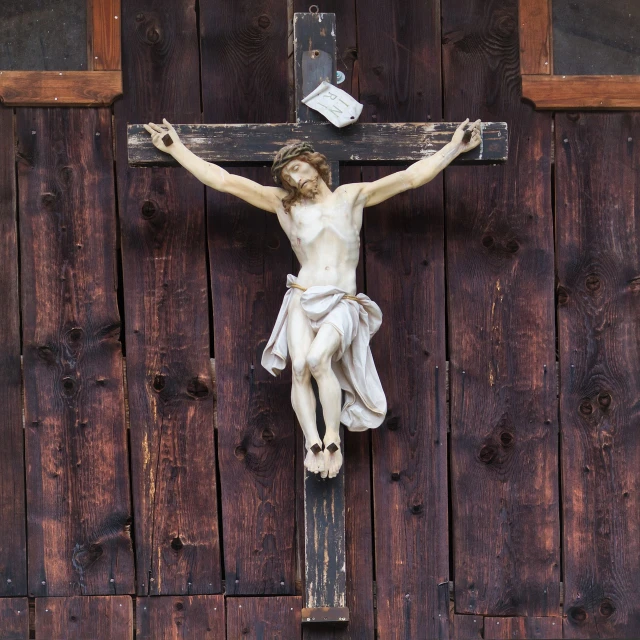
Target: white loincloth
{"x": 365, "y": 404}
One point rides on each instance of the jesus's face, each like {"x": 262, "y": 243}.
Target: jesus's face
{"x": 302, "y": 176}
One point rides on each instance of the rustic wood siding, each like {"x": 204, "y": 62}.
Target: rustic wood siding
{"x": 483, "y": 268}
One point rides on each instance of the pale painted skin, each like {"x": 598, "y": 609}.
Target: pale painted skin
{"x": 324, "y": 231}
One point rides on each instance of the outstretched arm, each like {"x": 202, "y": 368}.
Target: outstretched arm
{"x": 267, "y": 198}
{"x": 423, "y": 171}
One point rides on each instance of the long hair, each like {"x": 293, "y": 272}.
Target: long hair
{"x": 319, "y": 163}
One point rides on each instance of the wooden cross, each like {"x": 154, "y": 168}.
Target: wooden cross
{"x": 397, "y": 143}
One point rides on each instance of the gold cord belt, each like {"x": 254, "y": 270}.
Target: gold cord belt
{"x": 346, "y": 295}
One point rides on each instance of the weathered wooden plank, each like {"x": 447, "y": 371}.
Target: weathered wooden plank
{"x": 81, "y": 618}
{"x": 14, "y": 619}
{"x": 180, "y": 618}
{"x": 58, "y": 89}
{"x": 244, "y": 53}
{"x": 314, "y": 37}
{"x": 13, "y": 550}
{"x": 467, "y": 627}
{"x": 597, "y": 222}
{"x": 521, "y": 628}
{"x": 582, "y": 92}
{"x": 276, "y": 618}
{"x": 76, "y": 447}
{"x": 356, "y": 446}
{"x": 405, "y": 276}
{"x": 359, "y": 143}
{"x": 500, "y": 266}
{"x": 167, "y": 329}
{"x": 314, "y": 57}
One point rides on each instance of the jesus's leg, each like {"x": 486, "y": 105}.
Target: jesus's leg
{"x": 300, "y": 335}
{"x": 326, "y": 343}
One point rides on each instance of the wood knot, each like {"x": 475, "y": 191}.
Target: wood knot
{"x": 563, "y": 295}
{"x": 85, "y": 556}
{"x": 577, "y": 614}
{"x": 46, "y": 353}
{"x": 149, "y": 209}
{"x": 487, "y": 453}
{"x": 48, "y": 199}
{"x": 507, "y": 439}
{"x": 586, "y": 408}
{"x": 153, "y": 35}
{"x": 240, "y": 452}
{"x": 197, "y": 389}
{"x": 395, "y": 476}
{"x": 273, "y": 243}
{"x": 264, "y": 21}
{"x": 267, "y": 434}
{"x": 392, "y": 424}
{"x": 604, "y": 400}
{"x": 607, "y": 609}
{"x": 75, "y": 335}
{"x": 69, "y": 385}
{"x": 179, "y": 606}
{"x": 512, "y": 246}
{"x": 159, "y": 382}
{"x": 176, "y": 544}
{"x": 416, "y": 509}
{"x": 488, "y": 242}
{"x": 592, "y": 282}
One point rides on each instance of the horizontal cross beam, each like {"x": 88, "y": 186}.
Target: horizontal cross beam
{"x": 360, "y": 143}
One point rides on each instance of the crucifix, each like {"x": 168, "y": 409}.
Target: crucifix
{"x": 323, "y": 325}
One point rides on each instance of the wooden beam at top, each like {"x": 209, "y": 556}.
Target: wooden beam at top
{"x": 357, "y": 144}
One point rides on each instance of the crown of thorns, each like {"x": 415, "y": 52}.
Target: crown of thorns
{"x": 286, "y": 155}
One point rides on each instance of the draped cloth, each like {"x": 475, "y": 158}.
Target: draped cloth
{"x": 365, "y": 405}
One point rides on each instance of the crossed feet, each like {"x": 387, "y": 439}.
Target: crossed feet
{"x": 327, "y": 461}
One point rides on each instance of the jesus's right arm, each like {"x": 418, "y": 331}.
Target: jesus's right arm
{"x": 267, "y": 198}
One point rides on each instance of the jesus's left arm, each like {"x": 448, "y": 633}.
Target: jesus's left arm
{"x": 422, "y": 171}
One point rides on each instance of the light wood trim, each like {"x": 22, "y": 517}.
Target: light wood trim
{"x": 104, "y": 53}
{"x": 59, "y": 88}
{"x": 582, "y": 92}
{"x": 536, "y": 50}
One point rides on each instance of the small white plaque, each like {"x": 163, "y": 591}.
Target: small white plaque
{"x": 334, "y": 104}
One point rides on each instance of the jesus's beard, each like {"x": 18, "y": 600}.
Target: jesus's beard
{"x": 309, "y": 189}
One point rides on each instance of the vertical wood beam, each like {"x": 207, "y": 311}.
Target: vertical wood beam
{"x": 13, "y": 550}
{"x": 166, "y": 303}
{"x": 598, "y": 240}
{"x": 399, "y": 77}
{"x": 314, "y": 40}
{"x": 244, "y": 79}
{"x": 500, "y": 266}
{"x": 78, "y": 492}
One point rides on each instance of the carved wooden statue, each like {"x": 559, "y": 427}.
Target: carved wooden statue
{"x": 323, "y": 324}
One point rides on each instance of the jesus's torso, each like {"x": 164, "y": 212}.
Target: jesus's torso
{"x": 325, "y": 237}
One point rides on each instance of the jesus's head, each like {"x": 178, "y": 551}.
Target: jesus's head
{"x": 299, "y": 170}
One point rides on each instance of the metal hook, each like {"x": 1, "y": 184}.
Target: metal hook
{"x": 312, "y": 7}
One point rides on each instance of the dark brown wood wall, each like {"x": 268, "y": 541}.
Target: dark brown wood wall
{"x": 129, "y": 487}
{"x": 501, "y": 331}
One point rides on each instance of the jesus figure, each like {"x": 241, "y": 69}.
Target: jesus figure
{"x": 323, "y": 325}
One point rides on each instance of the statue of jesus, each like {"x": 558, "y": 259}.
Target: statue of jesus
{"x": 323, "y": 325}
